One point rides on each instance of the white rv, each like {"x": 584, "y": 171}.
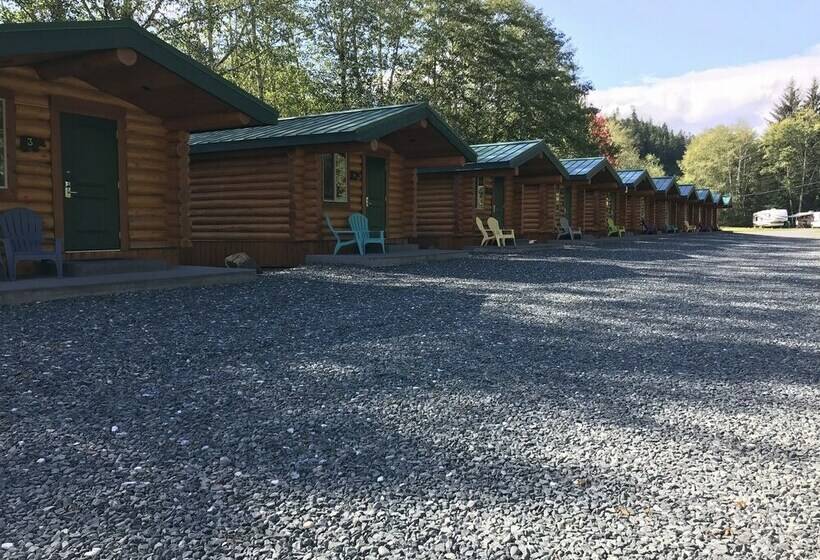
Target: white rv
{"x": 809, "y": 219}
{"x": 774, "y": 217}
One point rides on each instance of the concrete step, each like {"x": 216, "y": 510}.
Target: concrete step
{"x": 98, "y": 267}
{"x": 384, "y": 260}
{"x": 401, "y": 247}
{"x": 43, "y": 289}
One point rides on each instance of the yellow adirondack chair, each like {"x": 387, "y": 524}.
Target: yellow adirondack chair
{"x": 501, "y": 235}
{"x": 613, "y": 229}
{"x": 688, "y": 228}
{"x": 485, "y": 235}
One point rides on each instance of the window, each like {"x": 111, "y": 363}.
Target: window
{"x": 610, "y": 205}
{"x": 334, "y": 177}
{"x": 480, "y": 193}
{"x": 4, "y": 182}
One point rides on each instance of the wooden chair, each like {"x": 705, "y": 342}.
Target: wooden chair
{"x": 614, "y": 230}
{"x": 363, "y": 235}
{"x": 338, "y": 234}
{"x": 688, "y": 228}
{"x": 501, "y": 235}
{"x": 22, "y": 232}
{"x": 565, "y": 229}
{"x": 486, "y": 237}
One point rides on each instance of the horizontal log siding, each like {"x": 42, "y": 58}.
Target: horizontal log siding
{"x": 435, "y": 206}
{"x": 156, "y": 165}
{"x": 532, "y": 210}
{"x": 621, "y": 207}
{"x": 241, "y": 198}
{"x": 270, "y": 204}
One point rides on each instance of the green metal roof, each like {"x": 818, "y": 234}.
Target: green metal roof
{"x": 19, "y": 39}
{"x": 687, "y": 190}
{"x": 716, "y": 198}
{"x": 503, "y": 155}
{"x": 663, "y": 184}
{"x": 631, "y": 178}
{"x": 703, "y": 195}
{"x": 727, "y": 200}
{"x": 355, "y": 125}
{"x": 584, "y": 169}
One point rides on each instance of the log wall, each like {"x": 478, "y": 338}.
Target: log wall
{"x": 269, "y": 203}
{"x": 156, "y": 163}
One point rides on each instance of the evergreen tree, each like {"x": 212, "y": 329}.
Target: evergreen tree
{"x": 666, "y": 145}
{"x": 812, "y": 100}
{"x": 789, "y": 102}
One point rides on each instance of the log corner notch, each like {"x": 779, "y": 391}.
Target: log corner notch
{"x": 213, "y": 121}
{"x": 86, "y": 64}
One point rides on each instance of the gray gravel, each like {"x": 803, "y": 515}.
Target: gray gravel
{"x": 657, "y": 398}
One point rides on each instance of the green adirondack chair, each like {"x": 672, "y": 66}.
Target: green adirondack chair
{"x": 339, "y": 235}
{"x": 363, "y": 235}
{"x": 614, "y": 230}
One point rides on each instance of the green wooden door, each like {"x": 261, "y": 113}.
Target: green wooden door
{"x": 91, "y": 209}
{"x": 376, "y": 175}
{"x": 498, "y": 200}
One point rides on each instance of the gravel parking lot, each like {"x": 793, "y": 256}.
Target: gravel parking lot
{"x": 657, "y": 398}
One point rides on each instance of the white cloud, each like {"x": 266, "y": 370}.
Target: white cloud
{"x": 699, "y": 100}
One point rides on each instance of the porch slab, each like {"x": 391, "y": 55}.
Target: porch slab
{"x": 99, "y": 267}
{"x": 28, "y": 290}
{"x": 391, "y": 258}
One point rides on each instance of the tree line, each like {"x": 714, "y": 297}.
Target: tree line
{"x": 778, "y": 168}
{"x": 496, "y": 69}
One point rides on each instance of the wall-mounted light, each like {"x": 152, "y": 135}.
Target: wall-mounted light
{"x": 355, "y": 175}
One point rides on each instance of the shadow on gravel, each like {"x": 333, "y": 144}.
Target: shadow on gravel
{"x": 439, "y": 383}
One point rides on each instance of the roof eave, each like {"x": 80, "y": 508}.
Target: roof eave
{"x": 410, "y": 115}
{"x": 93, "y": 36}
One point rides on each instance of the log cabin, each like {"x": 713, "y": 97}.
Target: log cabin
{"x": 703, "y": 208}
{"x": 638, "y": 200}
{"x": 725, "y": 202}
{"x": 717, "y": 203}
{"x": 266, "y": 190}
{"x": 519, "y": 183}
{"x": 94, "y": 137}
{"x": 687, "y": 211}
{"x": 592, "y": 194}
{"x": 666, "y": 203}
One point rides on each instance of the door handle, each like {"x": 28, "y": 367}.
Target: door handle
{"x": 367, "y": 202}
{"x": 68, "y": 191}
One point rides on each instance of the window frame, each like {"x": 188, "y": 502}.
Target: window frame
{"x": 479, "y": 186}
{"x": 335, "y": 199}
{"x": 611, "y": 205}
{"x": 10, "y": 143}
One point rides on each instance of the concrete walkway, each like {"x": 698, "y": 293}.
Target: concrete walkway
{"x": 29, "y": 290}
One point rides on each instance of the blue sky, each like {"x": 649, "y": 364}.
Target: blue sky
{"x": 639, "y": 42}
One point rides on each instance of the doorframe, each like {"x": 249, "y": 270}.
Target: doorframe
{"x": 366, "y": 184}
{"x": 60, "y": 104}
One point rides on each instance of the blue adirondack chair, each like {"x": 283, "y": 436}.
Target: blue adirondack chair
{"x": 338, "y": 234}
{"x": 22, "y": 233}
{"x": 362, "y": 233}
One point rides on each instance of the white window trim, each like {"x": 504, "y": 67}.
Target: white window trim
{"x": 479, "y": 185}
